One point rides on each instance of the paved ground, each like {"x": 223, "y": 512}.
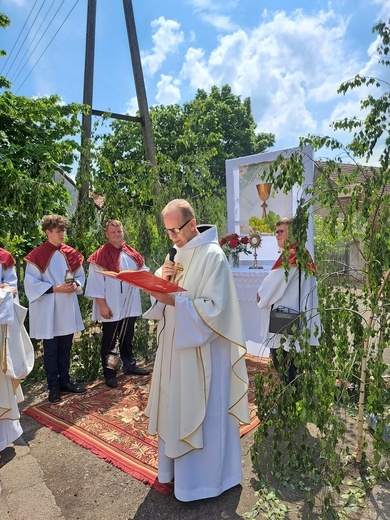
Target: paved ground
{"x": 45, "y": 476}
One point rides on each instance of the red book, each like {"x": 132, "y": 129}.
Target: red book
{"x": 144, "y": 280}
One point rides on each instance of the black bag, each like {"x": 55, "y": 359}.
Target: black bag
{"x": 283, "y": 319}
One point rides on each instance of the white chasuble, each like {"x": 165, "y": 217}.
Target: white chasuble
{"x": 198, "y": 395}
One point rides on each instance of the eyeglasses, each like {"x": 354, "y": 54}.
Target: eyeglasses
{"x": 279, "y": 232}
{"x": 177, "y": 230}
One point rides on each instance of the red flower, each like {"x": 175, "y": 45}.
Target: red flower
{"x": 233, "y": 243}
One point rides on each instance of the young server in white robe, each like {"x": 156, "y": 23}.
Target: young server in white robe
{"x": 16, "y": 353}
{"x": 116, "y": 304}
{"x": 277, "y": 291}
{"x": 53, "y": 303}
{"x": 198, "y": 394}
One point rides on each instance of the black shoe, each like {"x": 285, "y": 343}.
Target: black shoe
{"x": 111, "y": 382}
{"x": 71, "y": 388}
{"x": 54, "y": 395}
{"x": 136, "y": 371}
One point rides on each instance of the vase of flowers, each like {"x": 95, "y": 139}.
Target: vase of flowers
{"x": 233, "y": 245}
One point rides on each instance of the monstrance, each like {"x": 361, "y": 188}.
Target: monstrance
{"x": 264, "y": 191}
{"x": 254, "y": 243}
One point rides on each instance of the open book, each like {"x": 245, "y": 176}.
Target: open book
{"x": 144, "y": 280}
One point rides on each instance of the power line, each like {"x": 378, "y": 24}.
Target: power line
{"x": 48, "y": 45}
{"x": 32, "y": 41}
{"x": 44, "y": 32}
{"x": 17, "y": 39}
{"x": 28, "y": 32}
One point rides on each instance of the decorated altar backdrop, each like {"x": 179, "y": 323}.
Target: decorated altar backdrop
{"x": 243, "y": 200}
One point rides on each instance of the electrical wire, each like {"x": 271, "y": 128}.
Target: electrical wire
{"x": 48, "y": 45}
{"x": 14, "y": 79}
{"x": 28, "y": 32}
{"x": 32, "y": 41}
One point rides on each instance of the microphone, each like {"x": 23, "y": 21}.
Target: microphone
{"x": 172, "y": 252}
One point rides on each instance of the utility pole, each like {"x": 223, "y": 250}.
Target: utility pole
{"x": 86, "y": 123}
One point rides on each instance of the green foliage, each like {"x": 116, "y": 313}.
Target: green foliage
{"x": 268, "y": 505}
{"x": 85, "y": 354}
{"x": 355, "y": 316}
{"x": 35, "y": 142}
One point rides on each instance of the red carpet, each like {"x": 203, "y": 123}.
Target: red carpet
{"x": 110, "y": 423}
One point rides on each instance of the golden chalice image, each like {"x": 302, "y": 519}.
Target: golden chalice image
{"x": 264, "y": 191}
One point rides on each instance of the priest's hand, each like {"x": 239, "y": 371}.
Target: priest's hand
{"x": 168, "y": 270}
{"x": 165, "y": 298}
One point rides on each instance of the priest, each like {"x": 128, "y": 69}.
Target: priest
{"x": 198, "y": 396}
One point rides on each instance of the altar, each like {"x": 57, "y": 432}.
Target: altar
{"x": 247, "y": 282}
{"x": 245, "y": 201}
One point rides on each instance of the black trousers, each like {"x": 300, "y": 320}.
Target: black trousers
{"x": 124, "y": 331}
{"x": 284, "y": 366}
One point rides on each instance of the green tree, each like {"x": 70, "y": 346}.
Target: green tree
{"x": 221, "y": 120}
{"x": 36, "y": 141}
{"x": 192, "y": 144}
{"x": 355, "y": 317}
{"x": 4, "y": 23}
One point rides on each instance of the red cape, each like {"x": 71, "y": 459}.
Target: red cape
{"x": 41, "y": 256}
{"x": 6, "y": 259}
{"x": 292, "y": 260}
{"x": 108, "y": 256}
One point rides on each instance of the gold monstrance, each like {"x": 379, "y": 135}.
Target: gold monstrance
{"x": 254, "y": 243}
{"x": 264, "y": 191}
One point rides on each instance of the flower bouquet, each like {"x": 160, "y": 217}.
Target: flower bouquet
{"x": 233, "y": 245}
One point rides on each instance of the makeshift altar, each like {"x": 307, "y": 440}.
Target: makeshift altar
{"x": 249, "y": 196}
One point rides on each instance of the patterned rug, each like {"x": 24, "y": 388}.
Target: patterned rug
{"x": 110, "y": 422}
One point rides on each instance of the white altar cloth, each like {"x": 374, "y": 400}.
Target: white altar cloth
{"x": 247, "y": 282}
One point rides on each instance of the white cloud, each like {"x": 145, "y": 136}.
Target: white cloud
{"x": 195, "y": 69}
{"x": 219, "y": 21}
{"x": 384, "y": 9}
{"x": 167, "y": 38}
{"x": 289, "y": 65}
{"x": 132, "y": 106}
{"x": 168, "y": 90}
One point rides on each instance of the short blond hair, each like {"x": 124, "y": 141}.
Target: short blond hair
{"x": 112, "y": 222}
{"x": 182, "y": 205}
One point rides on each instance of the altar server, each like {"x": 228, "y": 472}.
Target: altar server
{"x": 54, "y": 308}
{"x": 16, "y": 353}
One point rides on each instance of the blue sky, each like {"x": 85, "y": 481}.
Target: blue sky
{"x": 288, "y": 56}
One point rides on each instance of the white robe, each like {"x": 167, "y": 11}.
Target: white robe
{"x": 123, "y": 299}
{"x": 53, "y": 314}
{"x": 276, "y": 291}
{"x": 16, "y": 362}
{"x": 8, "y": 276}
{"x": 198, "y": 394}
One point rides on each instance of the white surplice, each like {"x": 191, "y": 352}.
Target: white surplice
{"x": 277, "y": 291}
{"x": 16, "y": 362}
{"x": 198, "y": 395}
{"x": 123, "y": 299}
{"x": 53, "y": 314}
